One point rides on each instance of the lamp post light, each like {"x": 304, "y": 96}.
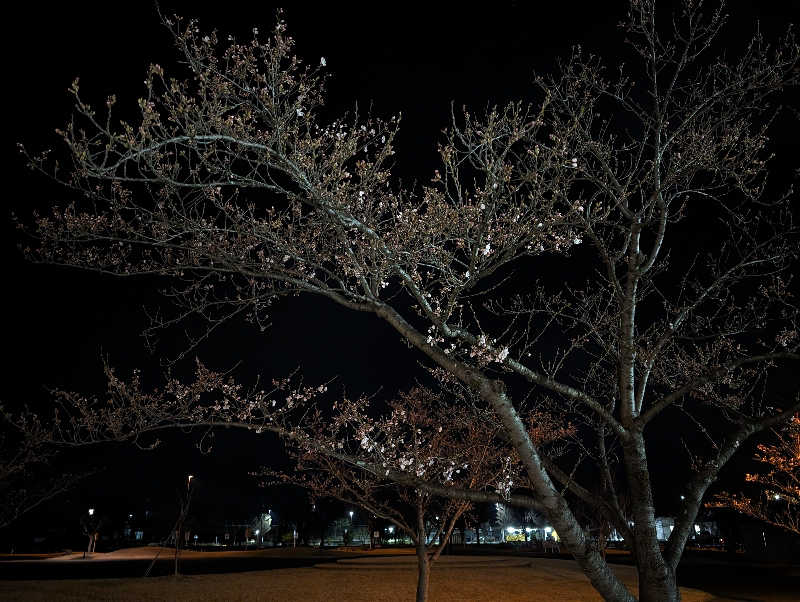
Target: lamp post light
{"x": 189, "y": 481}
{"x": 91, "y": 511}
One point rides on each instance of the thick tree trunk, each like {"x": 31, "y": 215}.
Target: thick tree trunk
{"x": 554, "y": 505}
{"x": 658, "y": 584}
{"x": 656, "y": 578}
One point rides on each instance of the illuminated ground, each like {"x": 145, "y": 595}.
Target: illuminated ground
{"x": 374, "y": 578}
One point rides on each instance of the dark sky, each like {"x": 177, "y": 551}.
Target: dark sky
{"x": 414, "y": 58}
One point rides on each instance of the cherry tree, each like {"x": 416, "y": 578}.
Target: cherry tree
{"x": 421, "y": 434}
{"x": 778, "y": 501}
{"x": 232, "y": 187}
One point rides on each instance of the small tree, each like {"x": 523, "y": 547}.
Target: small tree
{"x": 354, "y": 456}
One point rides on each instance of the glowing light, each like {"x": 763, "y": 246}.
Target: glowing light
{"x": 91, "y": 511}
{"x": 510, "y": 529}
{"x": 548, "y": 529}
{"x": 697, "y": 528}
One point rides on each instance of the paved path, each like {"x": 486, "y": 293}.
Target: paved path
{"x": 409, "y": 563}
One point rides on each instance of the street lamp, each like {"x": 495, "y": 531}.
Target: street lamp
{"x": 351, "y": 516}
{"x": 189, "y": 482}
{"x": 91, "y": 511}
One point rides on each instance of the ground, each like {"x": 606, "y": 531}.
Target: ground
{"x": 371, "y": 578}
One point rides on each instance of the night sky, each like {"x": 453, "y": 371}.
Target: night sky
{"x": 414, "y": 58}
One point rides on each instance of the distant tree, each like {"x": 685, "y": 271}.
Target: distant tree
{"x": 232, "y": 186}
{"x": 502, "y": 519}
{"x": 778, "y": 498}
{"x": 481, "y": 514}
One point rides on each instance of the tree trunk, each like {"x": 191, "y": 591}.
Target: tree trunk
{"x": 423, "y": 563}
{"x": 658, "y": 584}
{"x": 656, "y": 578}
{"x": 423, "y": 570}
{"x": 177, "y": 549}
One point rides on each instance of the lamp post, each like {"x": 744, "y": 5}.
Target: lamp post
{"x": 90, "y": 530}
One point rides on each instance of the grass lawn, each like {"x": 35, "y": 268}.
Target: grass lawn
{"x": 371, "y": 579}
